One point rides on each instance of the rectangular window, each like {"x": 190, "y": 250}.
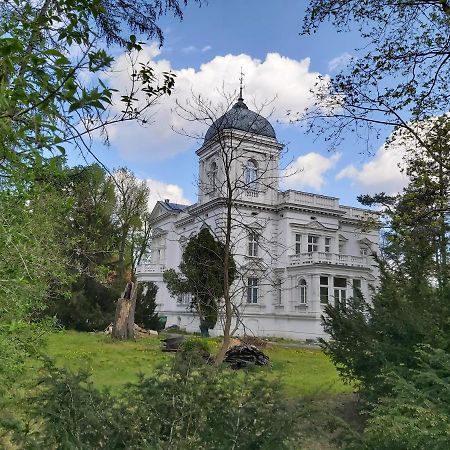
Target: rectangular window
{"x": 327, "y": 247}
{"x": 313, "y": 243}
{"x": 340, "y": 291}
{"x": 303, "y": 292}
{"x": 324, "y": 292}
{"x": 252, "y": 290}
{"x": 298, "y": 244}
{"x": 341, "y": 247}
{"x": 357, "y": 289}
{"x": 364, "y": 251}
{"x": 253, "y": 243}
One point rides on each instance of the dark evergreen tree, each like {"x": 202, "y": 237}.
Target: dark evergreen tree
{"x": 201, "y": 275}
{"x": 412, "y": 304}
{"x": 145, "y": 315}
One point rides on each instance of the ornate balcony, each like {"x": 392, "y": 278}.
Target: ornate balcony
{"x": 329, "y": 258}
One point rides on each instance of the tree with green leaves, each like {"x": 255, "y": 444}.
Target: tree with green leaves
{"x": 48, "y": 106}
{"x": 411, "y": 306}
{"x": 202, "y": 276}
{"x": 47, "y": 47}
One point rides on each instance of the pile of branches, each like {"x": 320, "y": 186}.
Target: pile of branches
{"x": 241, "y": 356}
{"x": 253, "y": 340}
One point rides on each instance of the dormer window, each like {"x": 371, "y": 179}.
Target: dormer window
{"x": 251, "y": 174}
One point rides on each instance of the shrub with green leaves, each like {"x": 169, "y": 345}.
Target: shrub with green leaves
{"x": 204, "y": 407}
{"x": 417, "y": 413}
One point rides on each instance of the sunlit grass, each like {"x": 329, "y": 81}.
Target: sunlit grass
{"x": 112, "y": 364}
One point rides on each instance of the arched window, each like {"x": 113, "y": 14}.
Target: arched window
{"x": 302, "y": 292}
{"x": 251, "y": 174}
{"x": 213, "y": 176}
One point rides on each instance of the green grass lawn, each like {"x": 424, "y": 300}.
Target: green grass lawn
{"x": 301, "y": 371}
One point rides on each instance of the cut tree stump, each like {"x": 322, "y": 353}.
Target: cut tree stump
{"x": 123, "y": 327}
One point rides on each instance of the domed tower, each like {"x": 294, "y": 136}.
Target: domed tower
{"x": 240, "y": 152}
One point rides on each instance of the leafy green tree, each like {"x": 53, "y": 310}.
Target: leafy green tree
{"x": 129, "y": 213}
{"x": 46, "y": 105}
{"x": 411, "y": 306}
{"x": 92, "y": 197}
{"x": 201, "y": 275}
{"x": 32, "y": 268}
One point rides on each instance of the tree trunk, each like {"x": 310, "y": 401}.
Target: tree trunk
{"x": 226, "y": 286}
{"x": 123, "y": 327}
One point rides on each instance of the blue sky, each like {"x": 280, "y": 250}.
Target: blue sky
{"x": 207, "y": 49}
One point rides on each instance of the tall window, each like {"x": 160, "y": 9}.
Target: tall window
{"x": 298, "y": 244}
{"x": 327, "y": 246}
{"x": 341, "y": 247}
{"x": 302, "y": 292}
{"x": 340, "y": 291}
{"x": 253, "y": 243}
{"x": 324, "y": 290}
{"x": 213, "y": 176}
{"x": 313, "y": 243}
{"x": 357, "y": 293}
{"x": 252, "y": 290}
{"x": 251, "y": 174}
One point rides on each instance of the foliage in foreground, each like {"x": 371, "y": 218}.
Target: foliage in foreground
{"x": 188, "y": 405}
{"x": 417, "y": 413}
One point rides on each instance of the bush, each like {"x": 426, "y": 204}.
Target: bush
{"x": 417, "y": 413}
{"x": 204, "y": 407}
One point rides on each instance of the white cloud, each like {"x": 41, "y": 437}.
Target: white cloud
{"x": 381, "y": 174}
{"x": 287, "y": 79}
{"x": 206, "y": 48}
{"x": 189, "y": 49}
{"x": 339, "y": 62}
{"x": 163, "y": 191}
{"x": 308, "y": 171}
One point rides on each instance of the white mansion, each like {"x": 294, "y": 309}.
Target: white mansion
{"x": 295, "y": 251}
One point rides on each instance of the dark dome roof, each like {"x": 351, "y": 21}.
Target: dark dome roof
{"x": 239, "y": 117}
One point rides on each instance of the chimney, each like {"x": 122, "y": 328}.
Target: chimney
{"x": 167, "y": 200}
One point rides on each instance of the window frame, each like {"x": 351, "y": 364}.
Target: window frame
{"x": 340, "y": 292}
{"x": 325, "y": 246}
{"x": 298, "y": 243}
{"x": 251, "y": 174}
{"x": 253, "y": 243}
{"x": 302, "y": 292}
{"x": 252, "y": 290}
{"x": 322, "y": 287}
{"x": 313, "y": 246}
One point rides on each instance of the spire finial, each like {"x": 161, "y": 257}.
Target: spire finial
{"x": 241, "y": 80}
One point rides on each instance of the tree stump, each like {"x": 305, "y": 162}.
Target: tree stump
{"x": 123, "y": 327}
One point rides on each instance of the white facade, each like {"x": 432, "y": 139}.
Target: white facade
{"x": 295, "y": 251}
